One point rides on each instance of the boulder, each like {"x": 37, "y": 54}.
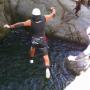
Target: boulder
{"x": 69, "y": 27}
{"x": 81, "y": 82}
{"x": 78, "y": 66}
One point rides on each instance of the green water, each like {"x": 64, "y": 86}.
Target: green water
{"x": 16, "y": 73}
{"x": 15, "y": 66}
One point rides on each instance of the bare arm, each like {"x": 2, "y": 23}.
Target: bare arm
{"x": 51, "y": 15}
{"x": 26, "y": 23}
{"x": 19, "y": 24}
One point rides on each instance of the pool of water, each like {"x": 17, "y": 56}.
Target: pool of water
{"x": 16, "y": 73}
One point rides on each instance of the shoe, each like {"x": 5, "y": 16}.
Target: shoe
{"x": 31, "y": 61}
{"x": 47, "y": 73}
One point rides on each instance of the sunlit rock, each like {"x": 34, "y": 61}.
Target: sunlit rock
{"x": 77, "y": 66}
{"x": 70, "y": 27}
{"x": 81, "y": 82}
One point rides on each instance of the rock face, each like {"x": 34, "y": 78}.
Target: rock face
{"x": 2, "y": 14}
{"x": 69, "y": 27}
{"x": 78, "y": 66}
{"x": 80, "y": 82}
{"x": 3, "y": 20}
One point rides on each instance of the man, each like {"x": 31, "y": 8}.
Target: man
{"x": 86, "y": 52}
{"x": 37, "y": 23}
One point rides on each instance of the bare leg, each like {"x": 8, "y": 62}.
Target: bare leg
{"x": 46, "y": 60}
{"x": 47, "y": 64}
{"x": 32, "y": 54}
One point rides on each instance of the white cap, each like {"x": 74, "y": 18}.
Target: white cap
{"x": 88, "y": 30}
{"x": 36, "y": 11}
{"x": 76, "y": 0}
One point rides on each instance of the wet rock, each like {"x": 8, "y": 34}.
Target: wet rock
{"x": 80, "y": 82}
{"x": 77, "y": 66}
{"x": 70, "y": 27}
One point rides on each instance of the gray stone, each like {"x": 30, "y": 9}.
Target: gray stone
{"x": 70, "y": 27}
{"x": 77, "y": 66}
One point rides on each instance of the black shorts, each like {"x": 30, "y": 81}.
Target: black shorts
{"x": 41, "y": 43}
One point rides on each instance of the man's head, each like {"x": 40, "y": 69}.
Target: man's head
{"x": 36, "y": 11}
{"x": 88, "y": 32}
{"x": 76, "y": 0}
{"x": 36, "y": 14}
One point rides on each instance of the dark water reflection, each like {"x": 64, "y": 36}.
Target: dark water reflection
{"x": 60, "y": 49}
{"x": 16, "y": 73}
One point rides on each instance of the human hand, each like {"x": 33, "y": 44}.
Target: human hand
{"x": 52, "y": 8}
{"x": 53, "y": 11}
{"x": 70, "y": 57}
{"x": 6, "y": 26}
